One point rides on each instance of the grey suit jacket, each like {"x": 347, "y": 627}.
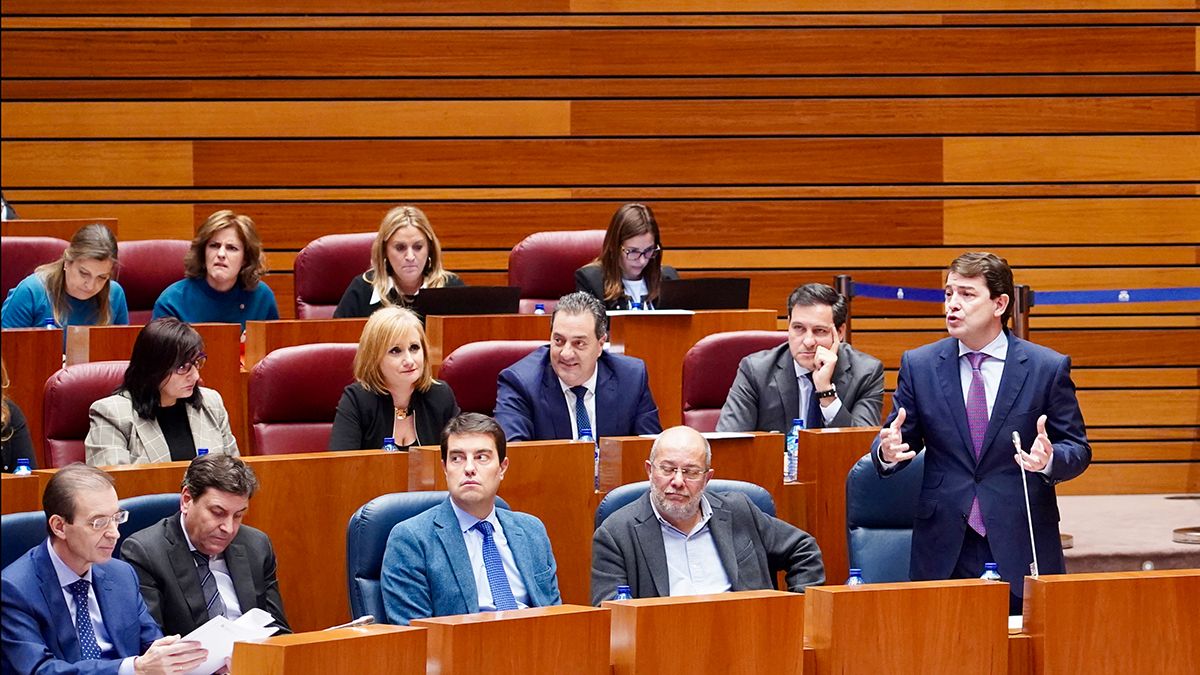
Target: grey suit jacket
{"x": 116, "y": 435}
{"x": 627, "y": 549}
{"x": 766, "y": 397}
{"x": 171, "y": 585}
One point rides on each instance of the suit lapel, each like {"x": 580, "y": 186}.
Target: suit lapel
{"x": 114, "y": 610}
{"x": 1016, "y": 369}
{"x": 67, "y": 646}
{"x": 721, "y": 527}
{"x": 648, "y": 532}
{"x": 153, "y": 441}
{"x": 184, "y": 567}
{"x": 523, "y": 554}
{"x": 243, "y": 578}
{"x": 555, "y": 402}
{"x": 606, "y": 399}
{"x": 200, "y": 437}
{"x": 446, "y": 528}
{"x": 951, "y": 385}
{"x": 786, "y": 386}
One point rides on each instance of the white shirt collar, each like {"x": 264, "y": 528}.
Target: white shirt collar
{"x": 466, "y": 521}
{"x": 705, "y": 516}
{"x": 590, "y": 383}
{"x": 66, "y": 575}
{"x": 997, "y": 348}
{"x": 801, "y": 371}
{"x": 183, "y": 526}
{"x": 391, "y": 286}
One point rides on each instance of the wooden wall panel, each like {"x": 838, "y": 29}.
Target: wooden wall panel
{"x": 1076, "y": 158}
{"x": 110, "y": 163}
{"x": 1076, "y": 221}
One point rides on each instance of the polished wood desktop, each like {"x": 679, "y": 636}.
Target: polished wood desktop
{"x": 21, "y": 493}
{"x": 536, "y": 641}
{"x": 369, "y": 650}
{"x": 447, "y": 333}
{"x": 31, "y": 356}
{"x": 264, "y": 337}
{"x": 743, "y": 633}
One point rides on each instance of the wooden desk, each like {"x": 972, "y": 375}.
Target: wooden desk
{"x": 304, "y": 504}
{"x": 370, "y": 650}
{"x": 264, "y": 337}
{"x": 447, "y": 333}
{"x": 1116, "y": 622}
{"x": 662, "y": 340}
{"x": 742, "y": 633}
{"x": 31, "y": 355}
{"x": 21, "y": 493}
{"x": 63, "y": 228}
{"x": 222, "y": 343}
{"x": 535, "y": 641}
{"x": 552, "y": 480}
{"x": 924, "y": 627}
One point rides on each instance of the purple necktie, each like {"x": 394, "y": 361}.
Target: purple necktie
{"x": 977, "y": 421}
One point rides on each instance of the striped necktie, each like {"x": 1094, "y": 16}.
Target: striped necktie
{"x": 213, "y": 603}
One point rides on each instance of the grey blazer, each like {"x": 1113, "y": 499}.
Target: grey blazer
{"x": 627, "y": 549}
{"x": 116, "y": 435}
{"x": 766, "y": 397}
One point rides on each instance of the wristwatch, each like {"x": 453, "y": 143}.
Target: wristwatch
{"x": 830, "y": 393}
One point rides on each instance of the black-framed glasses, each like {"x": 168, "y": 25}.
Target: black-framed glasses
{"x": 197, "y": 363}
{"x": 689, "y": 473}
{"x": 636, "y": 254}
{"x": 101, "y": 522}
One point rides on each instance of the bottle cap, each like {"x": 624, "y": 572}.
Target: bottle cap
{"x": 797, "y": 422}
{"x": 201, "y": 452}
{"x": 855, "y": 571}
{"x": 622, "y": 589}
{"x": 991, "y": 566}
{"x": 389, "y": 441}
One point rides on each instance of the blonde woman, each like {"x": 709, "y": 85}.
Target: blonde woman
{"x": 394, "y": 394}
{"x": 76, "y": 290}
{"x": 405, "y": 258}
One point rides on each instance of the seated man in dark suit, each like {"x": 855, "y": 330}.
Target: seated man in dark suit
{"x": 465, "y": 555}
{"x": 574, "y": 383}
{"x": 814, "y": 376}
{"x": 681, "y": 540}
{"x": 67, "y": 607}
{"x": 203, "y": 561}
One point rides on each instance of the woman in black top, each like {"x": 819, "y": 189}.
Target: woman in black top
{"x": 630, "y": 267}
{"x": 395, "y": 394}
{"x": 15, "y": 442}
{"x": 405, "y": 258}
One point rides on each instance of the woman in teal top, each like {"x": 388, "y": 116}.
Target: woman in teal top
{"x": 76, "y": 290}
{"x": 223, "y": 271}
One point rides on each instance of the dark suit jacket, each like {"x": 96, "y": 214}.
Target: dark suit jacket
{"x": 590, "y": 279}
{"x": 427, "y": 571}
{"x": 365, "y": 418}
{"x": 766, "y": 397}
{"x": 171, "y": 585}
{"x": 356, "y": 301}
{"x": 1036, "y": 381}
{"x": 531, "y": 406}
{"x": 35, "y": 624}
{"x": 628, "y": 550}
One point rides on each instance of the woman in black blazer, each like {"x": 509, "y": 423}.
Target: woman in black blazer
{"x": 394, "y": 395}
{"x": 630, "y": 267}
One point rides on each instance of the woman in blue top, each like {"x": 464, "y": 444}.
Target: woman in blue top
{"x": 223, "y": 271}
{"x": 76, "y": 290}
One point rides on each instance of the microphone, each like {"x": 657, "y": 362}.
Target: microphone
{"x": 364, "y": 620}
{"x": 1033, "y": 567}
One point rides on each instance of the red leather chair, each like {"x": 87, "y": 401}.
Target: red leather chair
{"x": 544, "y": 265}
{"x": 473, "y": 369}
{"x": 293, "y": 395}
{"x": 68, "y": 395}
{"x": 325, "y": 268}
{"x": 20, "y": 256}
{"x": 710, "y": 367}
{"x": 147, "y": 268}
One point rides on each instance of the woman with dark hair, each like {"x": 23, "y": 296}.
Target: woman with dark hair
{"x": 223, "y": 271}
{"x": 76, "y": 290}
{"x": 15, "y": 442}
{"x": 160, "y": 413}
{"x": 630, "y": 267}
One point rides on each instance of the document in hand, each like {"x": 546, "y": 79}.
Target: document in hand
{"x": 219, "y": 634}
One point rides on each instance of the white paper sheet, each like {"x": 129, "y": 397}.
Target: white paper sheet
{"x": 219, "y": 634}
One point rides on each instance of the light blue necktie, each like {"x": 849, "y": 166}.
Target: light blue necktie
{"x": 502, "y": 595}
{"x": 582, "y": 421}
{"x": 88, "y": 648}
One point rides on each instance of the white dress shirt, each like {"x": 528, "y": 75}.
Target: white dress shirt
{"x": 474, "y": 541}
{"x": 589, "y": 403}
{"x": 806, "y": 391}
{"x": 693, "y": 566}
{"x": 66, "y": 577}
{"x": 220, "y": 571}
{"x": 637, "y": 291}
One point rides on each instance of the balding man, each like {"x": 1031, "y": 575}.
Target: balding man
{"x": 680, "y": 540}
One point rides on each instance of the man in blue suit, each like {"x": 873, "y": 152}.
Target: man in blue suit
{"x": 574, "y": 384}
{"x": 960, "y": 399}
{"x": 465, "y": 555}
{"x": 68, "y": 607}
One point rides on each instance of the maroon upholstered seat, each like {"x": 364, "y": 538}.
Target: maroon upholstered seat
{"x": 325, "y": 268}
{"x": 710, "y": 367}
{"x": 147, "y": 268}
{"x": 293, "y": 395}
{"x": 68, "y": 395}
{"x": 544, "y": 264}
{"x": 473, "y": 369}
{"x": 20, "y": 256}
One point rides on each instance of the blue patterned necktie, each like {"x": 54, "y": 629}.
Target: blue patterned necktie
{"x": 502, "y": 595}
{"x": 582, "y": 421}
{"x": 813, "y": 417}
{"x": 83, "y": 620}
{"x": 977, "y": 422}
{"x": 213, "y": 603}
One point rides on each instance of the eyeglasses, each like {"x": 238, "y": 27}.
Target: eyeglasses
{"x": 197, "y": 363}
{"x": 636, "y": 254}
{"x": 102, "y": 522}
{"x": 690, "y": 474}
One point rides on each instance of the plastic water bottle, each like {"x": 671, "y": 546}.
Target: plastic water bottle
{"x": 636, "y": 306}
{"x": 22, "y": 468}
{"x": 49, "y": 324}
{"x": 791, "y": 452}
{"x": 200, "y": 452}
{"x": 855, "y": 577}
{"x": 539, "y": 309}
{"x": 585, "y": 434}
{"x": 623, "y": 593}
{"x": 389, "y": 445}
{"x": 991, "y": 572}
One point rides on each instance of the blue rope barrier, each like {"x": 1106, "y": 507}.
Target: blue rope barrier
{"x": 1039, "y": 298}
{"x": 881, "y": 292}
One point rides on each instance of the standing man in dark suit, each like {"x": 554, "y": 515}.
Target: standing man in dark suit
{"x": 814, "y": 376}
{"x": 67, "y": 607}
{"x": 203, "y": 561}
{"x": 960, "y": 399}
{"x": 682, "y": 540}
{"x": 574, "y": 383}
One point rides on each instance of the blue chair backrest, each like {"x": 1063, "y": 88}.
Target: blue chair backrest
{"x": 144, "y": 511}
{"x": 20, "y": 532}
{"x": 879, "y": 518}
{"x": 366, "y": 540}
{"x": 631, "y": 492}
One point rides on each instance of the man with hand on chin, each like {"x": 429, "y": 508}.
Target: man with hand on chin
{"x": 960, "y": 399}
